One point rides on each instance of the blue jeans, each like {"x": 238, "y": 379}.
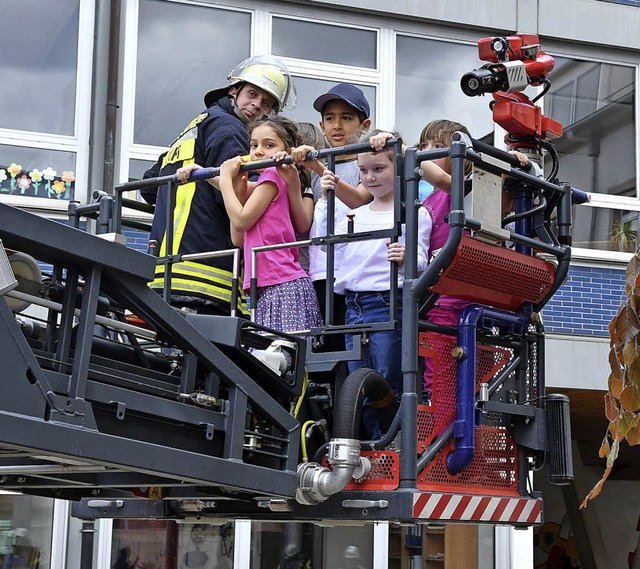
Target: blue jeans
{"x": 383, "y": 351}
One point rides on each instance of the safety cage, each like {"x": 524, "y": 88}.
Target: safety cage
{"x": 131, "y": 408}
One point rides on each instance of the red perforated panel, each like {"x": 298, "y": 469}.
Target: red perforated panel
{"x": 436, "y": 417}
{"x": 492, "y": 275}
{"x": 493, "y": 469}
{"x": 384, "y": 474}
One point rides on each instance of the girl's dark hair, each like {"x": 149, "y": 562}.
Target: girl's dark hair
{"x": 442, "y": 131}
{"x": 287, "y": 131}
{"x": 285, "y": 128}
{"x": 312, "y": 135}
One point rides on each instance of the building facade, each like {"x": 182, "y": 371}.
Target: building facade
{"x": 95, "y": 90}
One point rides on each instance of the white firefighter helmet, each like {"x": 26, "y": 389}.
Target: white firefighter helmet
{"x": 264, "y": 71}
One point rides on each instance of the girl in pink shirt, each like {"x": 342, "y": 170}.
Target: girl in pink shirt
{"x": 286, "y": 300}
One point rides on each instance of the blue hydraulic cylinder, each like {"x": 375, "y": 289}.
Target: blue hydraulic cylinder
{"x": 465, "y": 421}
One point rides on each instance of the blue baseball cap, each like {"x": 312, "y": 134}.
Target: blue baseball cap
{"x": 346, "y": 92}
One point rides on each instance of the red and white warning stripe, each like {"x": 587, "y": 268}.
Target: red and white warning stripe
{"x": 487, "y": 509}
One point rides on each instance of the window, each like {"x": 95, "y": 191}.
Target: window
{"x": 25, "y": 531}
{"x": 324, "y": 42}
{"x": 164, "y": 543}
{"x": 310, "y": 89}
{"x": 175, "y": 70}
{"x": 428, "y": 76}
{"x": 595, "y": 103}
{"x": 38, "y": 92}
{"x": 43, "y": 137}
{"x": 34, "y": 172}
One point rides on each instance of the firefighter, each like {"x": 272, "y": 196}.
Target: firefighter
{"x": 258, "y": 86}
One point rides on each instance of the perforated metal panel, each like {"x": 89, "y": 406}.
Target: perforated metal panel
{"x": 435, "y": 418}
{"x": 495, "y": 276}
{"x": 384, "y": 474}
{"x": 493, "y": 468}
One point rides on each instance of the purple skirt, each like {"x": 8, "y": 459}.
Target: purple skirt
{"x": 288, "y": 307}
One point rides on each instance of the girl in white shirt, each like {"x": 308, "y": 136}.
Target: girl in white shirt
{"x": 363, "y": 269}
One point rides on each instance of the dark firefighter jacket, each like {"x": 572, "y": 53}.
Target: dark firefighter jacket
{"x": 200, "y": 219}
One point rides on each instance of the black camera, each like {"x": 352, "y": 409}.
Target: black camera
{"x": 486, "y": 79}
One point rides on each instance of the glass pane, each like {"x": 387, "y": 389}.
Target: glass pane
{"x": 37, "y": 173}
{"x": 38, "y": 65}
{"x": 605, "y": 229}
{"x": 175, "y": 70}
{"x": 428, "y": 76}
{"x": 205, "y": 546}
{"x": 285, "y": 546}
{"x": 157, "y": 544}
{"x": 595, "y": 102}
{"x": 310, "y": 89}
{"x": 323, "y": 42}
{"x": 25, "y": 531}
{"x": 349, "y": 547}
{"x": 587, "y": 87}
{"x": 560, "y": 104}
{"x": 138, "y": 167}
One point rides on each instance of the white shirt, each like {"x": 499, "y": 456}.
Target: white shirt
{"x": 350, "y": 173}
{"x": 362, "y": 265}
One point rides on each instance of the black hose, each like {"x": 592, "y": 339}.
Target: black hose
{"x": 363, "y": 382}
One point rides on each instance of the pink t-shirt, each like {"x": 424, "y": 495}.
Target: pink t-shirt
{"x": 279, "y": 265}
{"x": 438, "y": 205}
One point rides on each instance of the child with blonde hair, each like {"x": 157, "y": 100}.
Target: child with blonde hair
{"x": 363, "y": 268}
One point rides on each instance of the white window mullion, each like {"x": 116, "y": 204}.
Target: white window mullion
{"x": 242, "y": 544}
{"x": 386, "y": 92}
{"x": 83, "y": 98}
{"x": 261, "y": 33}
{"x": 61, "y": 512}
{"x": 128, "y": 81}
{"x": 104, "y": 537}
{"x": 381, "y": 545}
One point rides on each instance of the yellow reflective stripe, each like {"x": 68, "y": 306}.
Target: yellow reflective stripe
{"x": 184, "y": 197}
{"x": 204, "y": 272}
{"x": 180, "y": 151}
{"x": 194, "y": 286}
{"x": 195, "y": 122}
{"x": 188, "y": 276}
{"x": 185, "y": 285}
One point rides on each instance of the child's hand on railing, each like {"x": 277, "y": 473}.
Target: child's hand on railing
{"x": 395, "y": 253}
{"x": 377, "y": 141}
{"x": 329, "y": 181}
{"x": 299, "y": 154}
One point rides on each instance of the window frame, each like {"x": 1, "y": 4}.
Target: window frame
{"x": 618, "y": 57}
{"x": 382, "y": 78}
{"x": 78, "y": 143}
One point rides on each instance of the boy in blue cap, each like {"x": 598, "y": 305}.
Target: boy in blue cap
{"x": 345, "y": 120}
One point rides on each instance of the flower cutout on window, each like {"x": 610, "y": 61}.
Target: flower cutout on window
{"x": 3, "y": 177}
{"x": 68, "y": 177}
{"x": 14, "y": 170}
{"x": 58, "y": 187}
{"x": 24, "y": 183}
{"x": 49, "y": 175}
{"x": 36, "y": 178}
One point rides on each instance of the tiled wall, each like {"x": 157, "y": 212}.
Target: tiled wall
{"x": 138, "y": 240}
{"x": 586, "y": 302}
